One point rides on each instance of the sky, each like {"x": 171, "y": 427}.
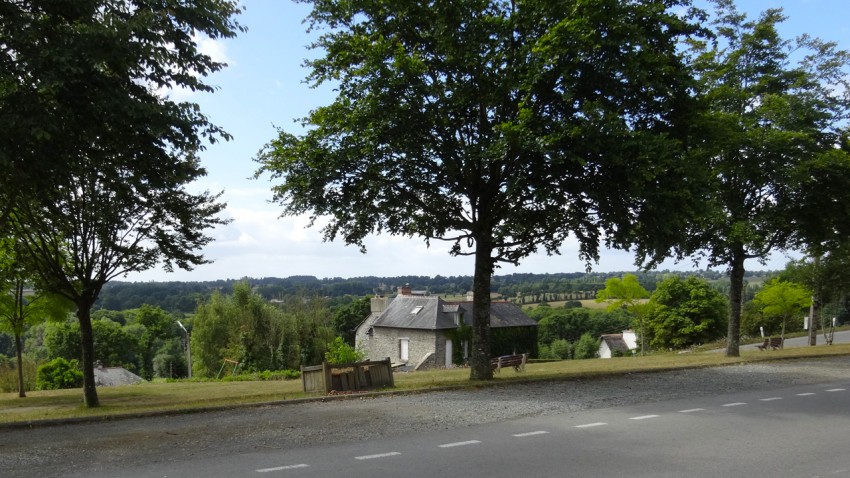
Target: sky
{"x": 262, "y": 90}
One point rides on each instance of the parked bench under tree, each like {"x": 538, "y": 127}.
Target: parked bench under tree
{"x": 515, "y": 361}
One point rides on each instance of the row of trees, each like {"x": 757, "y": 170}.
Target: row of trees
{"x": 507, "y": 127}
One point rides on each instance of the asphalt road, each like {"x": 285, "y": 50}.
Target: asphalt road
{"x": 841, "y": 337}
{"x": 796, "y": 431}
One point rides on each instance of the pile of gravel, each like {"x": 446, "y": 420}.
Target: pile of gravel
{"x": 99, "y": 446}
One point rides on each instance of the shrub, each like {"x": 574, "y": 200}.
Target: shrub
{"x": 58, "y": 374}
{"x": 561, "y": 349}
{"x": 9, "y": 375}
{"x": 587, "y": 347}
{"x": 341, "y": 352}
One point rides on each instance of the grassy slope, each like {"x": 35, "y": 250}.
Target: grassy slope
{"x": 181, "y": 396}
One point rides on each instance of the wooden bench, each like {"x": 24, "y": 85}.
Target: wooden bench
{"x": 515, "y": 361}
{"x": 772, "y": 342}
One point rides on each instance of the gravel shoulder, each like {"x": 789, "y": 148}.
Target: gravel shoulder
{"x": 102, "y": 446}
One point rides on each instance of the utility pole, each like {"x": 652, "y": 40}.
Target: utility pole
{"x": 188, "y": 348}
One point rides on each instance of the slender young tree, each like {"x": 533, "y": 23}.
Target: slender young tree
{"x": 498, "y": 126}
{"x": 769, "y": 115}
{"x": 628, "y": 294}
{"x": 99, "y": 181}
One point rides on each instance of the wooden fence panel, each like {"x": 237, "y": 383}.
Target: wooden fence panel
{"x": 347, "y": 377}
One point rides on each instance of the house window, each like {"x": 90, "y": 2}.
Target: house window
{"x": 404, "y": 349}
{"x": 416, "y": 310}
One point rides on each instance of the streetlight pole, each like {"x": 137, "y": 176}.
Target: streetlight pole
{"x": 188, "y": 348}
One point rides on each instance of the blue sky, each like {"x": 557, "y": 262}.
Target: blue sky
{"x": 262, "y": 89}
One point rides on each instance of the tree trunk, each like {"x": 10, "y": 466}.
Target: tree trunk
{"x": 18, "y": 346}
{"x": 814, "y": 311}
{"x": 479, "y": 360}
{"x": 736, "y": 292}
{"x": 87, "y": 341}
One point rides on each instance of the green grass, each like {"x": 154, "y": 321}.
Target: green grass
{"x": 162, "y": 397}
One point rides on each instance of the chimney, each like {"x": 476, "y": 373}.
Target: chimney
{"x": 470, "y": 296}
{"x": 379, "y": 304}
{"x": 404, "y": 290}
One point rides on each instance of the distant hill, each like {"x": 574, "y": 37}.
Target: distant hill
{"x": 184, "y": 296}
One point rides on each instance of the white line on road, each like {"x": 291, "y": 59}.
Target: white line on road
{"x": 460, "y": 443}
{"x": 692, "y": 410}
{"x": 770, "y": 399}
{"x": 528, "y": 434}
{"x": 591, "y": 425}
{"x": 644, "y": 417}
{"x": 733, "y": 404}
{"x": 280, "y": 468}
{"x": 836, "y": 390}
{"x": 379, "y": 455}
{"x": 805, "y": 394}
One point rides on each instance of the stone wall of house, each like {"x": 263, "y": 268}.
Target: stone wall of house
{"x": 386, "y": 342}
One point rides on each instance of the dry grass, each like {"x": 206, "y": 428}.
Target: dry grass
{"x": 165, "y": 397}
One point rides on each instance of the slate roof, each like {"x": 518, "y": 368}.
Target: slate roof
{"x": 433, "y": 313}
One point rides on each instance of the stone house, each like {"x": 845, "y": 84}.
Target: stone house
{"x": 419, "y": 331}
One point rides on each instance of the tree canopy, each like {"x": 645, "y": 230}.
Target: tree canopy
{"x": 99, "y": 155}
{"x": 772, "y": 115}
{"x": 499, "y": 126}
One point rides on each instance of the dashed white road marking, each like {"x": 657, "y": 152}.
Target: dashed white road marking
{"x": 591, "y": 425}
{"x": 770, "y": 399}
{"x": 281, "y": 468}
{"x": 835, "y": 390}
{"x": 644, "y": 417}
{"x": 528, "y": 434}
{"x": 460, "y": 443}
{"x": 733, "y": 404}
{"x": 379, "y": 455}
{"x": 805, "y": 394}
{"x": 692, "y": 410}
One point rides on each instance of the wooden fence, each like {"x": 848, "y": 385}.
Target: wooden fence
{"x": 347, "y": 377}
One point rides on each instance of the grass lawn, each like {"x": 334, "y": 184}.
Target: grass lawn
{"x": 182, "y": 396}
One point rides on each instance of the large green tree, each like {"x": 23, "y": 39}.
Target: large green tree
{"x": 684, "y": 312}
{"x": 502, "y": 127}
{"x": 99, "y": 155}
{"x": 770, "y": 115}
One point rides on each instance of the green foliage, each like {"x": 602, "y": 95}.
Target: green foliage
{"x": 769, "y": 117}
{"x": 346, "y": 318}
{"x": 9, "y": 375}
{"x": 518, "y": 141}
{"x": 261, "y": 336}
{"x": 587, "y": 347}
{"x": 561, "y": 349}
{"x": 571, "y": 324}
{"x": 780, "y": 302}
{"x": 96, "y": 160}
{"x": 59, "y": 374}
{"x": 340, "y": 351}
{"x": 685, "y": 312}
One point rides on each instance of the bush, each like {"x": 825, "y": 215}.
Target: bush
{"x": 587, "y": 347}
{"x": 340, "y": 352}
{"x": 561, "y": 349}
{"x": 58, "y": 374}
